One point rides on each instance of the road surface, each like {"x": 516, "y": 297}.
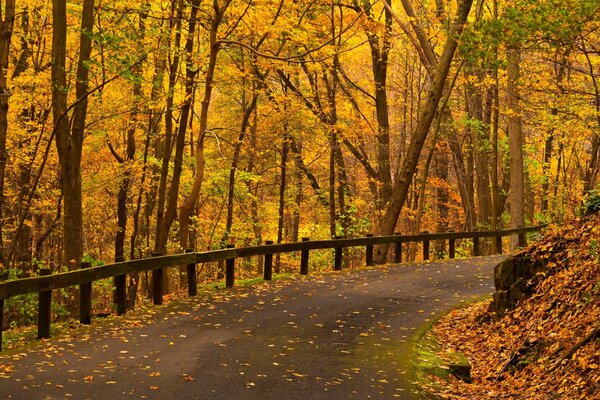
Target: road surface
{"x": 341, "y": 335}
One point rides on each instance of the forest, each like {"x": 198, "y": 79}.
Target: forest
{"x": 136, "y": 128}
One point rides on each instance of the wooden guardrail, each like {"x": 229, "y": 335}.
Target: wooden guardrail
{"x": 46, "y": 282}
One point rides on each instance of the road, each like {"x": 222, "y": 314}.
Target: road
{"x": 343, "y": 335}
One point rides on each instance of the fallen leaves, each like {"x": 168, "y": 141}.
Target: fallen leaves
{"x": 523, "y": 353}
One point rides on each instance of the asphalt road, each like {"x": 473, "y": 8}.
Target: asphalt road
{"x": 334, "y": 336}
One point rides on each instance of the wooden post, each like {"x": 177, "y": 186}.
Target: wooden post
{"x": 157, "y": 284}
{"x": 522, "y": 239}
{"x": 451, "y": 247}
{"x": 230, "y": 269}
{"x": 425, "y": 247}
{"x": 397, "y": 250}
{"x": 120, "y": 298}
{"x": 337, "y": 265}
{"x": 304, "y": 259}
{"x": 44, "y": 305}
{"x": 192, "y": 279}
{"x": 476, "y": 247}
{"x": 85, "y": 299}
{"x": 499, "y": 244}
{"x": 369, "y": 252}
{"x": 268, "y": 264}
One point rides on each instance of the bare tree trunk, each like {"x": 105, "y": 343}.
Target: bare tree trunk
{"x": 69, "y": 144}
{"x": 163, "y": 221}
{"x": 127, "y": 161}
{"x": 441, "y": 165}
{"x": 282, "y": 186}
{"x": 549, "y": 144}
{"x": 6, "y": 30}
{"x": 186, "y": 209}
{"x": 247, "y": 112}
{"x": 478, "y": 128}
{"x": 515, "y": 139}
{"x": 593, "y": 166}
{"x": 494, "y": 223}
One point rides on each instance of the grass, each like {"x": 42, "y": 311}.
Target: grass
{"x": 428, "y": 362}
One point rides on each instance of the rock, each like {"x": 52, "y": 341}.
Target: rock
{"x": 459, "y": 367}
{"x": 514, "y": 280}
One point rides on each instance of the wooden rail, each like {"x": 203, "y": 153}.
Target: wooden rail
{"x": 46, "y": 283}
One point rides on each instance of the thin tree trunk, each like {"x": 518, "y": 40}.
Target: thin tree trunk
{"x": 593, "y": 166}
{"x": 282, "y": 187}
{"x": 163, "y": 224}
{"x": 6, "y": 30}
{"x": 494, "y": 131}
{"x": 126, "y": 162}
{"x": 185, "y": 210}
{"x": 515, "y": 139}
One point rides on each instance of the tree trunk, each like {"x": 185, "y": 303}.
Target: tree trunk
{"x": 163, "y": 222}
{"x": 441, "y": 165}
{"x": 126, "y": 162}
{"x": 69, "y": 144}
{"x": 186, "y": 209}
{"x": 593, "y": 166}
{"x": 434, "y": 95}
{"x": 515, "y": 142}
{"x": 6, "y": 30}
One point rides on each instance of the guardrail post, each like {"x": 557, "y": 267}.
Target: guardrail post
{"x": 304, "y": 259}
{"x": 85, "y": 299}
{"x": 451, "y": 246}
{"x": 499, "y": 244}
{"x": 522, "y": 239}
{"x": 397, "y": 250}
{"x": 369, "y": 252}
{"x": 230, "y": 269}
{"x": 337, "y": 265}
{"x": 476, "y": 247}
{"x": 425, "y": 247}
{"x": 157, "y": 284}
{"x": 3, "y": 277}
{"x": 268, "y": 264}
{"x": 44, "y": 304}
{"x": 192, "y": 279}
{"x": 120, "y": 290}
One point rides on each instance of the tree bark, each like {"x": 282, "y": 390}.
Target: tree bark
{"x": 6, "y": 30}
{"x": 126, "y": 162}
{"x": 187, "y": 207}
{"x": 515, "y": 141}
{"x": 164, "y": 221}
{"x": 69, "y": 143}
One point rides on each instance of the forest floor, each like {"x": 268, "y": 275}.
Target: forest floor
{"x": 343, "y": 335}
{"x": 548, "y": 347}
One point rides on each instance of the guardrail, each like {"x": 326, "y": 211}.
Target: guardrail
{"x": 46, "y": 282}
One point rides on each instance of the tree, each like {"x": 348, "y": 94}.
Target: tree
{"x": 69, "y": 139}
{"x": 6, "y": 30}
{"x": 434, "y": 95}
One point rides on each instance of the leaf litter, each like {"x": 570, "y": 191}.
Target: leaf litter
{"x": 549, "y": 345}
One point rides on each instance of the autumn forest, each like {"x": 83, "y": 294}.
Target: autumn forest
{"x": 132, "y": 128}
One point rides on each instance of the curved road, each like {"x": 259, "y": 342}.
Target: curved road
{"x": 332, "y": 336}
